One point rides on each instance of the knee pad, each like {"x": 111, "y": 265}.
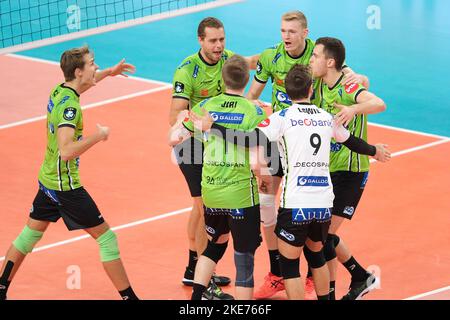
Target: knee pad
{"x": 244, "y": 262}
{"x": 290, "y": 268}
{"x": 329, "y": 249}
{"x": 109, "y": 249}
{"x": 27, "y": 239}
{"x": 315, "y": 259}
{"x": 267, "y": 209}
{"x": 215, "y": 251}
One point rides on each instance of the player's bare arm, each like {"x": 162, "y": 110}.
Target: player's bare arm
{"x": 367, "y": 103}
{"x": 70, "y": 149}
{"x": 177, "y": 105}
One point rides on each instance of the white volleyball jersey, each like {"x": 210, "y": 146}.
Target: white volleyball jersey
{"x": 303, "y": 133}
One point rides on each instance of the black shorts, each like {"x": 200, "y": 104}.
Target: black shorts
{"x": 275, "y": 165}
{"x": 294, "y": 226}
{"x": 76, "y": 207}
{"x": 244, "y": 225}
{"x": 348, "y": 188}
{"x": 189, "y": 156}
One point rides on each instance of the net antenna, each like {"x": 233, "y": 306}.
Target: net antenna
{"x": 28, "y": 24}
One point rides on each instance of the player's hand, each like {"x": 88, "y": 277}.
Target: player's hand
{"x": 121, "y": 68}
{"x": 345, "y": 115}
{"x": 103, "y": 132}
{"x": 202, "y": 122}
{"x": 182, "y": 115}
{"x": 383, "y": 154}
{"x": 261, "y": 104}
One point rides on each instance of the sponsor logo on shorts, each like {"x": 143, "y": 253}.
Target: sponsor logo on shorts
{"x": 210, "y": 230}
{"x": 288, "y": 236}
{"x": 349, "y": 210}
{"x": 312, "y": 181}
{"x": 226, "y": 117}
{"x": 310, "y": 214}
{"x": 32, "y": 209}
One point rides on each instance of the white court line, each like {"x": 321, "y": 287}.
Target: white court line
{"x": 429, "y": 293}
{"x": 123, "y": 226}
{"x": 90, "y": 106}
{"x": 413, "y": 149}
{"x": 169, "y": 84}
{"x": 177, "y": 212}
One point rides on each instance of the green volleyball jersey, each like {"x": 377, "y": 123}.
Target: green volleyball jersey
{"x": 196, "y": 80}
{"x": 274, "y": 63}
{"x": 342, "y": 158}
{"x": 63, "y": 110}
{"x": 227, "y": 180}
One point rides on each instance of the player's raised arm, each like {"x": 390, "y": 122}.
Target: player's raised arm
{"x": 119, "y": 69}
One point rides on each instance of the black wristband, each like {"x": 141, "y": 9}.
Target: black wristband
{"x": 360, "y": 146}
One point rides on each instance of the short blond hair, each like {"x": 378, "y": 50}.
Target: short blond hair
{"x": 296, "y": 15}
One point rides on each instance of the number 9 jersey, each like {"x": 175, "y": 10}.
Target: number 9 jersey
{"x": 303, "y": 133}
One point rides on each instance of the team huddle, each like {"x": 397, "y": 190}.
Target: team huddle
{"x": 234, "y": 152}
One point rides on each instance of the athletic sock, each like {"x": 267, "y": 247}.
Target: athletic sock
{"x": 192, "y": 260}
{"x": 128, "y": 294}
{"x": 274, "y": 256}
{"x": 332, "y": 290}
{"x": 358, "y": 273}
{"x": 197, "y": 291}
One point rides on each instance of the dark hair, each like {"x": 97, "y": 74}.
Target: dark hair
{"x": 209, "y": 22}
{"x": 333, "y": 49}
{"x": 71, "y": 60}
{"x": 235, "y": 72}
{"x": 298, "y": 81}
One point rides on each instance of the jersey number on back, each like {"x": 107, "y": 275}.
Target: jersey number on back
{"x": 315, "y": 141}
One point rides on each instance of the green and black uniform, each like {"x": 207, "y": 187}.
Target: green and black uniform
{"x": 275, "y": 63}
{"x": 229, "y": 187}
{"x": 349, "y": 170}
{"x": 196, "y": 80}
{"x": 60, "y": 191}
